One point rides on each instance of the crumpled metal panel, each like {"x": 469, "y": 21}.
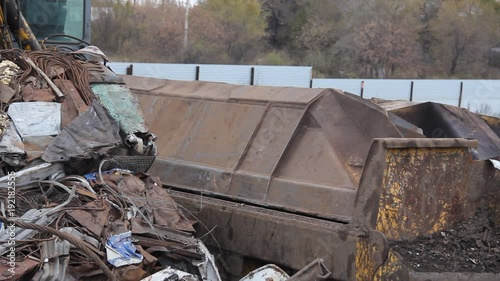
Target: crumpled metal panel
{"x": 11, "y": 142}
{"x": 80, "y": 140}
{"x": 36, "y": 118}
{"x": 122, "y": 106}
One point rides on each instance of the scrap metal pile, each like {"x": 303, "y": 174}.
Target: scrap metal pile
{"x": 75, "y": 201}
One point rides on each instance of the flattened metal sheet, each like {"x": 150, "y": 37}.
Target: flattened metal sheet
{"x": 36, "y": 118}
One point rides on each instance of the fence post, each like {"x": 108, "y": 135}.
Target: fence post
{"x": 197, "y": 78}
{"x": 130, "y": 70}
{"x": 252, "y": 75}
{"x": 362, "y": 88}
{"x": 411, "y": 91}
{"x": 461, "y": 93}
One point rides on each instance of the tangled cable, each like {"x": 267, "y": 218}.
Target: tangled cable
{"x": 72, "y": 70}
{"x": 68, "y": 237}
{"x": 49, "y": 61}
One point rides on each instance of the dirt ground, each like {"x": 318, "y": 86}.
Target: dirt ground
{"x": 472, "y": 246}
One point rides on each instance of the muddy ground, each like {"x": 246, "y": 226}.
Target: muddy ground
{"x": 472, "y": 246}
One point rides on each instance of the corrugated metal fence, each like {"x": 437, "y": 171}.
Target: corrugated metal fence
{"x": 477, "y": 95}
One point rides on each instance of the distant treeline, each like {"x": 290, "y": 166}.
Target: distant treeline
{"x": 341, "y": 38}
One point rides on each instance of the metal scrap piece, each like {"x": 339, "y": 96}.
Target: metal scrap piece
{"x": 316, "y": 271}
{"x": 22, "y": 268}
{"x": 32, "y": 174}
{"x": 165, "y": 210}
{"x": 55, "y": 255}
{"x": 36, "y": 118}
{"x": 6, "y": 93}
{"x": 4, "y": 122}
{"x": 8, "y": 70}
{"x": 35, "y": 146}
{"x": 122, "y": 106}
{"x": 11, "y": 142}
{"x": 30, "y": 93}
{"x": 39, "y": 217}
{"x": 265, "y": 273}
{"x": 208, "y": 269}
{"x": 91, "y": 134}
{"x": 171, "y": 274}
{"x": 89, "y": 239}
{"x": 73, "y": 104}
{"x": 94, "y": 218}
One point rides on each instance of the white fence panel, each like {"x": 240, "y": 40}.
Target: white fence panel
{"x": 441, "y": 91}
{"x": 348, "y": 85}
{"x": 389, "y": 89}
{"x": 482, "y": 96}
{"x": 232, "y": 74}
{"x": 284, "y": 76}
{"x": 119, "y": 67}
{"x": 186, "y": 72}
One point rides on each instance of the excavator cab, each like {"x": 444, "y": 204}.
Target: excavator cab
{"x": 58, "y": 21}
{"x": 64, "y": 23}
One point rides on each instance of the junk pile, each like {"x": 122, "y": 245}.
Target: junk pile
{"x": 76, "y": 203}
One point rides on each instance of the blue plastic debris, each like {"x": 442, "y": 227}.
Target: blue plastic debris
{"x": 93, "y": 176}
{"x": 120, "y": 251}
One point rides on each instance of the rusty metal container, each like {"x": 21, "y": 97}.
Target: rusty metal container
{"x": 288, "y": 175}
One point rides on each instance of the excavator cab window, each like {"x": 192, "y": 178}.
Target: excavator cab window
{"x": 56, "y": 17}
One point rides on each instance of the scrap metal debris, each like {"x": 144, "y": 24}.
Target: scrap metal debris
{"x": 75, "y": 201}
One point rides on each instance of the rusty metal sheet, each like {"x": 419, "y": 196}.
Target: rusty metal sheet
{"x": 93, "y": 216}
{"x": 410, "y": 187}
{"x": 493, "y": 122}
{"x": 73, "y": 104}
{"x": 22, "y": 268}
{"x": 220, "y": 91}
{"x": 29, "y": 93}
{"x": 275, "y": 237}
{"x": 146, "y": 84}
{"x": 268, "y": 146}
{"x": 35, "y": 146}
{"x": 6, "y": 93}
{"x": 277, "y": 95}
{"x": 446, "y": 121}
